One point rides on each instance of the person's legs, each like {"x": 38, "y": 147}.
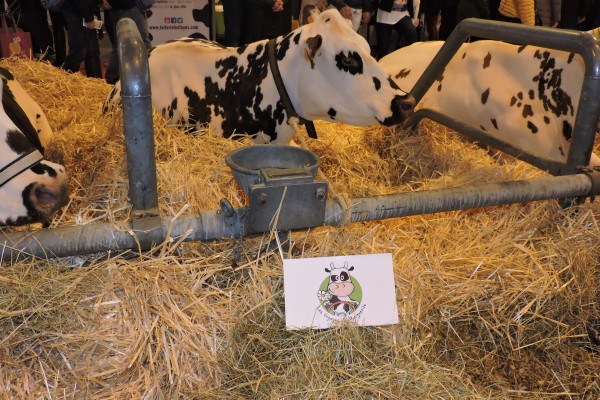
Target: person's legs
{"x": 93, "y": 68}
{"x": 407, "y": 31}
{"x": 60, "y": 41}
{"x": 383, "y": 32}
{"x": 78, "y": 37}
{"x": 233, "y": 17}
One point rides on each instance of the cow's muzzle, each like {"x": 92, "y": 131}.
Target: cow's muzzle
{"x": 402, "y": 108}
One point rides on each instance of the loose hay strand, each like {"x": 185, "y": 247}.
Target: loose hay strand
{"x": 493, "y": 303}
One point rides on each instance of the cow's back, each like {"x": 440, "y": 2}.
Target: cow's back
{"x": 524, "y": 95}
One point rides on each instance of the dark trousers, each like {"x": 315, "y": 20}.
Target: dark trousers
{"x": 83, "y": 45}
{"x": 233, "y": 15}
{"x": 33, "y": 18}
{"x": 404, "y": 27}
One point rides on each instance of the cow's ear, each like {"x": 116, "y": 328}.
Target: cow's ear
{"x": 351, "y": 268}
{"x": 327, "y": 270}
{"x": 313, "y": 44}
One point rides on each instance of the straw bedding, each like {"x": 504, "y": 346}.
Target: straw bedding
{"x": 493, "y": 303}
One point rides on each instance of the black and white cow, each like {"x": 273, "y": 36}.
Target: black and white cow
{"x": 524, "y": 95}
{"x": 326, "y": 68}
{"x": 31, "y": 188}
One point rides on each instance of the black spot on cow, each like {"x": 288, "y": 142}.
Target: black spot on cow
{"x": 377, "y": 83}
{"x": 521, "y": 48}
{"x": 332, "y": 113}
{"x": 520, "y": 95}
{"x": 483, "y": 128}
{"x": 485, "y": 95}
{"x": 486, "y": 60}
{"x": 513, "y": 100}
{"x": 18, "y": 142}
{"x": 546, "y": 120}
{"x": 198, "y": 35}
{"x": 296, "y": 38}
{"x": 537, "y": 54}
{"x": 328, "y": 19}
{"x": 283, "y": 46}
{"x": 567, "y": 130}
{"x": 532, "y": 127}
{"x": 26, "y": 133}
{"x": 531, "y": 94}
{"x": 464, "y": 55}
{"x": 197, "y": 109}
{"x": 519, "y": 104}
{"x": 571, "y": 57}
{"x": 527, "y": 111}
{"x": 440, "y": 79}
{"x": 237, "y": 97}
{"x": 351, "y": 62}
{"x": 402, "y": 74}
{"x": 495, "y": 123}
{"x": 42, "y": 169}
{"x": 549, "y": 87}
{"x": 393, "y": 84}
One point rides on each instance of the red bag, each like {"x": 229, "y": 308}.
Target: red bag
{"x": 13, "y": 41}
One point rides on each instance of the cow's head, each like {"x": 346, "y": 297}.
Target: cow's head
{"x": 31, "y": 189}
{"x": 340, "y": 283}
{"x": 338, "y": 79}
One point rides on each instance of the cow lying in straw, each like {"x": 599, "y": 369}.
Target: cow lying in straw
{"x": 31, "y": 188}
{"x": 524, "y": 95}
{"x": 325, "y": 66}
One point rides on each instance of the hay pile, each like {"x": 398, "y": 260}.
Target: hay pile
{"x": 493, "y": 303}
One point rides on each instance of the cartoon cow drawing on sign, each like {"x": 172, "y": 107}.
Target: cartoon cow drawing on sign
{"x": 336, "y": 300}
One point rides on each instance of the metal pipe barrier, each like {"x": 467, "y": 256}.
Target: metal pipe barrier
{"x": 232, "y": 223}
{"x": 146, "y": 229}
{"x": 137, "y": 117}
{"x": 586, "y": 119}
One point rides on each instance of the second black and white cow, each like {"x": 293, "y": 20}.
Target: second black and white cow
{"x": 524, "y": 95}
{"x": 326, "y": 68}
{"x": 31, "y": 188}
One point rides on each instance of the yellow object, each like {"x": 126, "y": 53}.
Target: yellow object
{"x": 522, "y": 9}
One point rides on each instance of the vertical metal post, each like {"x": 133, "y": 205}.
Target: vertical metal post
{"x": 137, "y": 114}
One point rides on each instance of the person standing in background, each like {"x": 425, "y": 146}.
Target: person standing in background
{"x": 82, "y": 37}
{"x": 396, "y": 15}
{"x": 120, "y": 9}
{"x": 33, "y": 18}
{"x": 548, "y": 12}
{"x": 573, "y": 13}
{"x": 357, "y": 11}
{"x": 233, "y": 15}
{"x": 263, "y": 19}
{"x": 517, "y": 11}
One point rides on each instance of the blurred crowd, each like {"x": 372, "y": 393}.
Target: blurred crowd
{"x": 389, "y": 24}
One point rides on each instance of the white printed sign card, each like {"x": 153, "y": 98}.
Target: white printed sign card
{"x": 324, "y": 291}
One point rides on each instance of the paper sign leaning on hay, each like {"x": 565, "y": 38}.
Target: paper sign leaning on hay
{"x": 326, "y": 291}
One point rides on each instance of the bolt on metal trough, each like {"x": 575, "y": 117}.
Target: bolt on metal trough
{"x": 147, "y": 229}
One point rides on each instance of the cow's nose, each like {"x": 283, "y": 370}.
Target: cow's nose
{"x": 405, "y": 103}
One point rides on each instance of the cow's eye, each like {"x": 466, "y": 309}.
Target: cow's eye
{"x": 334, "y": 278}
{"x": 350, "y": 62}
{"x": 344, "y": 276}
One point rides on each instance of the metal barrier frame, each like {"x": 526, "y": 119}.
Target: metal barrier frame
{"x": 147, "y": 228}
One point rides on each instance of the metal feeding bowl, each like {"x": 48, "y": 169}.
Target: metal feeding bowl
{"x": 255, "y": 164}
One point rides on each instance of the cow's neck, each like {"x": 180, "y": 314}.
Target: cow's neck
{"x": 285, "y": 98}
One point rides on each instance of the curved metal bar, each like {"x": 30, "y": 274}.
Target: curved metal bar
{"x": 137, "y": 114}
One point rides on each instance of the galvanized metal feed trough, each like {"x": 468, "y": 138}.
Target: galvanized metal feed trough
{"x": 285, "y": 195}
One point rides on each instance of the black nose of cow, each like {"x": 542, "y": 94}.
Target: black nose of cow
{"x": 402, "y": 108}
{"x": 48, "y": 199}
